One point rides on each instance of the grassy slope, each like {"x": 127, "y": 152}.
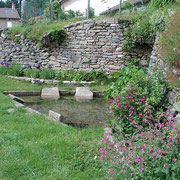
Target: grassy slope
{"x": 31, "y": 147}
{"x": 36, "y": 30}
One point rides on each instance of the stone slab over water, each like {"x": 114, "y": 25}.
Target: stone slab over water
{"x": 83, "y": 93}
{"x": 50, "y": 93}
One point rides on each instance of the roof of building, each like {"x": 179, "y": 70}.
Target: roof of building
{"x": 9, "y": 13}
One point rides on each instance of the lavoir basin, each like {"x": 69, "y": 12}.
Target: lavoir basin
{"x": 81, "y": 113}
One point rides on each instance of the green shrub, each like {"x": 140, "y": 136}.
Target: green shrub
{"x": 71, "y": 75}
{"x": 32, "y": 73}
{"x": 152, "y": 87}
{"x": 71, "y": 13}
{"x": 58, "y": 36}
{"x": 128, "y": 5}
{"x": 63, "y": 16}
{"x": 143, "y": 28}
{"x": 65, "y": 75}
{"x": 47, "y": 73}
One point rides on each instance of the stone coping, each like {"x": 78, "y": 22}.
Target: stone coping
{"x": 98, "y": 21}
{"x": 50, "y": 81}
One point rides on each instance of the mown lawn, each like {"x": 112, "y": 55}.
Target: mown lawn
{"x": 8, "y": 84}
{"x": 32, "y": 147}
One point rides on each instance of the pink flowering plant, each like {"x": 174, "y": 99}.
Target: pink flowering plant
{"x": 130, "y": 110}
{"x": 141, "y": 146}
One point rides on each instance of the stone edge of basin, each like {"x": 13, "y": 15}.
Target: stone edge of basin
{"x": 18, "y": 102}
{"x": 50, "y": 81}
{"x": 38, "y": 93}
{"x": 30, "y": 110}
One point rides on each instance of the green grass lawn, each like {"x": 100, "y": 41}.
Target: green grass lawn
{"x": 8, "y": 84}
{"x": 32, "y": 147}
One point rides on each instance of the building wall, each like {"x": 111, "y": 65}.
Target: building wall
{"x": 3, "y": 23}
{"x": 81, "y": 5}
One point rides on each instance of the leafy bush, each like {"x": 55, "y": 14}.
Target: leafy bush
{"x": 63, "y": 16}
{"x": 47, "y": 73}
{"x": 170, "y": 41}
{"x": 71, "y": 13}
{"x": 143, "y": 28}
{"x": 71, "y": 75}
{"x": 128, "y": 5}
{"x": 65, "y": 75}
{"x": 152, "y": 87}
{"x": 58, "y": 36}
{"x": 151, "y": 154}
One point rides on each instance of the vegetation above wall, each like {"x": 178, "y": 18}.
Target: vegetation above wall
{"x": 170, "y": 40}
{"x": 36, "y": 29}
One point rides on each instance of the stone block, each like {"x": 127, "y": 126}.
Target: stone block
{"x": 178, "y": 118}
{"x": 56, "y": 116}
{"x": 50, "y": 93}
{"x": 17, "y": 104}
{"x": 177, "y": 107}
{"x": 48, "y": 81}
{"x": 83, "y": 93}
{"x": 114, "y": 67}
{"x": 30, "y": 110}
{"x": 143, "y": 63}
{"x": 11, "y": 110}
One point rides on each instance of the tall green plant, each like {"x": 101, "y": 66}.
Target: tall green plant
{"x": 160, "y": 3}
{"x": 170, "y": 41}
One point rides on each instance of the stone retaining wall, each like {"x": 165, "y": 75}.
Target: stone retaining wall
{"x": 93, "y": 44}
{"x": 156, "y": 62}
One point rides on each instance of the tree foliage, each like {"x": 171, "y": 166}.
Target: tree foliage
{"x": 56, "y": 9}
{"x": 38, "y": 3}
{"x": 8, "y": 3}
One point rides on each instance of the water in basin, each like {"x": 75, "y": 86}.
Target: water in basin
{"x": 85, "y": 113}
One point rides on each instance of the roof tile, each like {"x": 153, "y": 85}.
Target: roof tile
{"x": 9, "y": 13}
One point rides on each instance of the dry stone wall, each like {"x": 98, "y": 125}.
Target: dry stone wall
{"x": 156, "y": 62}
{"x": 93, "y": 44}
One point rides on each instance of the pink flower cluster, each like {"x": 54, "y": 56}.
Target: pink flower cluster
{"x": 143, "y": 150}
